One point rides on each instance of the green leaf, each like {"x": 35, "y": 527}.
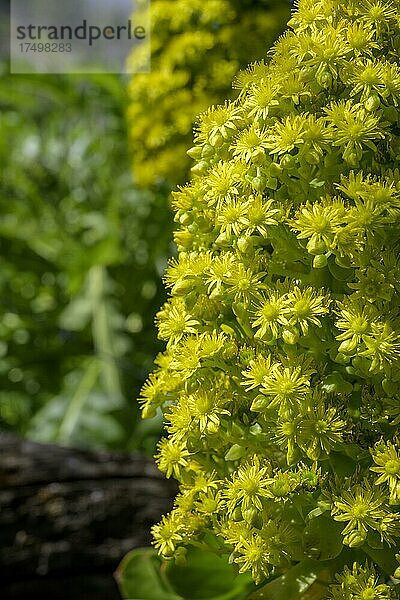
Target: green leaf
{"x": 335, "y": 384}
{"x": 76, "y": 314}
{"x": 142, "y": 575}
{"x": 235, "y": 452}
{"x": 322, "y": 538}
{"x": 139, "y": 577}
{"x": 81, "y": 415}
{"x": 384, "y": 557}
{"x": 206, "y": 576}
{"x": 294, "y": 584}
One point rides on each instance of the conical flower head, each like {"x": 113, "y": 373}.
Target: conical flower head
{"x": 288, "y": 238}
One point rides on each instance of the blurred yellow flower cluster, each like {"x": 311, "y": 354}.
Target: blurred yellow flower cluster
{"x": 196, "y": 49}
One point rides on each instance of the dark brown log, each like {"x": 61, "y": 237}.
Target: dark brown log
{"x": 69, "y": 515}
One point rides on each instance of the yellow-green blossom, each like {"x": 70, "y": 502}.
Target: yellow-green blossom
{"x": 280, "y": 380}
{"x": 387, "y": 465}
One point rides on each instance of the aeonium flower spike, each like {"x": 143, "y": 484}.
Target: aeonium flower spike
{"x": 281, "y": 377}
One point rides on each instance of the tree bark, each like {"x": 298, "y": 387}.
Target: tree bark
{"x": 68, "y": 516}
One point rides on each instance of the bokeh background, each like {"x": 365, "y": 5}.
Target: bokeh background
{"x": 88, "y": 163}
{"x": 82, "y": 253}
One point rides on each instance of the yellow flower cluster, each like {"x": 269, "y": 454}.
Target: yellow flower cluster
{"x": 280, "y": 382}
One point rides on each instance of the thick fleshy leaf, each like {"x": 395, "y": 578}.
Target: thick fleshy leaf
{"x": 207, "y": 576}
{"x": 142, "y": 575}
{"x": 299, "y": 583}
{"x": 139, "y": 577}
{"x": 322, "y": 539}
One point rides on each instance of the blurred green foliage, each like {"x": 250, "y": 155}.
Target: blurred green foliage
{"x": 82, "y": 251}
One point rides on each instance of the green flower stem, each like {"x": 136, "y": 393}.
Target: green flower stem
{"x": 103, "y": 334}
{"x": 73, "y": 411}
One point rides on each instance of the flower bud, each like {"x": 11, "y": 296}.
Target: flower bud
{"x": 259, "y": 403}
{"x": 244, "y": 243}
{"x": 195, "y": 152}
{"x": 372, "y": 103}
{"x": 320, "y": 261}
{"x": 207, "y": 151}
{"x": 348, "y": 346}
{"x": 200, "y": 168}
{"x": 148, "y": 412}
{"x": 288, "y": 161}
{"x": 185, "y": 219}
{"x": 316, "y": 246}
{"x": 216, "y": 140}
{"x": 259, "y": 183}
{"x": 235, "y": 452}
{"x": 274, "y": 169}
{"x": 324, "y": 79}
{"x": 253, "y": 517}
{"x": 355, "y": 539}
{"x": 290, "y": 336}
